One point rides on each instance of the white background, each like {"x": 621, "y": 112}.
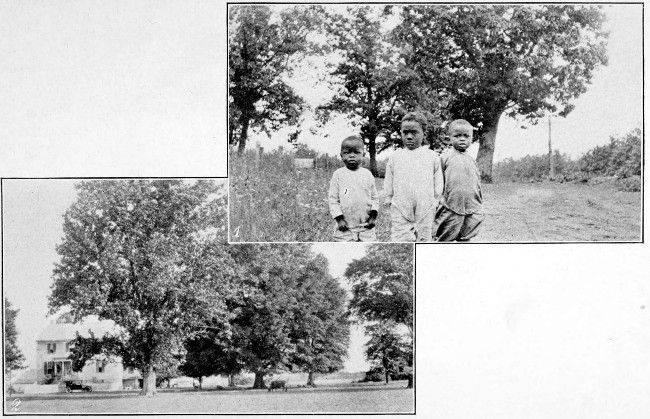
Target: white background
{"x": 503, "y": 331}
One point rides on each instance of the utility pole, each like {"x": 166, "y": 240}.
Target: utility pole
{"x": 550, "y": 151}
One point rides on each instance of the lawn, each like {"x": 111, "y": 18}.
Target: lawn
{"x": 352, "y": 398}
{"x": 271, "y": 201}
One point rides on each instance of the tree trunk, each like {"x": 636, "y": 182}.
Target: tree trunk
{"x": 243, "y": 136}
{"x": 149, "y": 382}
{"x": 410, "y": 384}
{"x": 486, "y": 149}
{"x": 200, "y": 383}
{"x": 387, "y": 374}
{"x": 310, "y": 379}
{"x": 372, "y": 151}
{"x": 231, "y": 380}
{"x": 259, "y": 380}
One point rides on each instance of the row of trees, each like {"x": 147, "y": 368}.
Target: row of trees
{"x": 477, "y": 62}
{"x": 152, "y": 257}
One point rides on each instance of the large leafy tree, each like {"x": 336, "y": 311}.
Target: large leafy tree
{"x": 264, "y": 317}
{"x": 373, "y": 87}
{"x": 150, "y": 256}
{"x": 517, "y": 60}
{"x": 387, "y": 349}
{"x": 321, "y": 330}
{"x": 14, "y": 358}
{"x": 382, "y": 290}
{"x": 260, "y": 53}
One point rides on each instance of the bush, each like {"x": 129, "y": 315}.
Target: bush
{"x": 375, "y": 374}
{"x": 620, "y": 158}
{"x": 535, "y": 168}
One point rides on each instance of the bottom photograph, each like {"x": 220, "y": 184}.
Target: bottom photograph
{"x": 123, "y": 297}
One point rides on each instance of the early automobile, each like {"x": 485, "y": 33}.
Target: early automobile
{"x": 76, "y": 385}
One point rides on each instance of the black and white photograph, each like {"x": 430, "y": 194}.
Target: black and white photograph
{"x": 123, "y": 296}
{"x": 435, "y": 122}
{"x": 234, "y": 209}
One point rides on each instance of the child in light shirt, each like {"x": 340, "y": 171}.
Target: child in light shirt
{"x": 413, "y": 183}
{"x": 353, "y": 198}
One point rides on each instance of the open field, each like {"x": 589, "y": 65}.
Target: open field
{"x": 363, "y": 398}
{"x": 276, "y": 202}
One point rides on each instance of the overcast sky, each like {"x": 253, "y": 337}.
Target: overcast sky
{"x": 33, "y": 226}
{"x": 612, "y": 105}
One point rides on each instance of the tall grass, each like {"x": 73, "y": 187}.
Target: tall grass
{"x": 271, "y": 200}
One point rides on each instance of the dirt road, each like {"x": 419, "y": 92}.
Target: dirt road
{"x": 548, "y": 211}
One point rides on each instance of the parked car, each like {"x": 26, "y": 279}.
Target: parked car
{"x": 76, "y": 385}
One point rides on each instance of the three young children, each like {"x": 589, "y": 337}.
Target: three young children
{"x": 428, "y": 197}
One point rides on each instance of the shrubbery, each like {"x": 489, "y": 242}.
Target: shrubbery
{"x": 621, "y": 158}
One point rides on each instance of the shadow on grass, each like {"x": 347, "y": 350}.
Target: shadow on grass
{"x": 344, "y": 388}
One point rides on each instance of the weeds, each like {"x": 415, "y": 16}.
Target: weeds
{"x": 271, "y": 201}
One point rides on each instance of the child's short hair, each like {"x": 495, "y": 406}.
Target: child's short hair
{"x": 459, "y": 122}
{"x": 418, "y": 117}
{"x": 352, "y": 138}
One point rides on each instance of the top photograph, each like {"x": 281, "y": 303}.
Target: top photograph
{"x": 491, "y": 123}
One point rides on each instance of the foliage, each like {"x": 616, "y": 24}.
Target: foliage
{"x": 382, "y": 284}
{"x": 620, "y": 158}
{"x": 374, "y": 374}
{"x": 210, "y": 355}
{"x": 271, "y": 200}
{"x": 14, "y": 358}
{"x": 535, "y": 167}
{"x": 259, "y": 61}
{"x": 373, "y": 89}
{"x": 148, "y": 255}
{"x": 285, "y": 298}
{"x": 321, "y": 329}
{"x": 85, "y": 348}
{"x": 517, "y": 60}
{"x": 387, "y": 349}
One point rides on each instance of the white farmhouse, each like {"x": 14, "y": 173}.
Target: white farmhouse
{"x": 53, "y": 347}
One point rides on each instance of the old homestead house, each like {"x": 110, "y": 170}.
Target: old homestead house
{"x": 53, "y": 347}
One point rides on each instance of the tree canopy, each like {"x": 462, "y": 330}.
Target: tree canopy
{"x": 147, "y": 255}
{"x": 382, "y": 295}
{"x": 290, "y": 314}
{"x": 382, "y": 284}
{"x": 517, "y": 60}
{"x": 260, "y": 52}
{"x": 374, "y": 88}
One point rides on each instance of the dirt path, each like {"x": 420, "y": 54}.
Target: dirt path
{"x": 548, "y": 211}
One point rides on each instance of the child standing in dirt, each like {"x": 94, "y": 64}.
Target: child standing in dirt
{"x": 461, "y": 211}
{"x": 413, "y": 183}
{"x": 353, "y": 198}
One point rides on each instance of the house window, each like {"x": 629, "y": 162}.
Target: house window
{"x": 68, "y": 346}
{"x": 51, "y": 347}
{"x": 101, "y": 365}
